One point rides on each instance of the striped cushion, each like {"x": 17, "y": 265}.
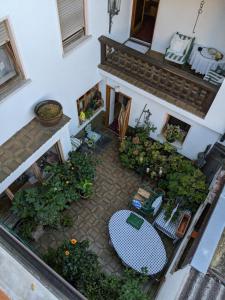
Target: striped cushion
{"x": 175, "y": 58}
{"x": 76, "y": 143}
{"x": 214, "y": 78}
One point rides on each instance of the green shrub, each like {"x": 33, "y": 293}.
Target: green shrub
{"x": 39, "y": 204}
{"x": 181, "y": 180}
{"x": 26, "y": 229}
{"x": 66, "y": 220}
{"x": 79, "y": 266}
{"x": 84, "y": 165}
{"x": 44, "y": 204}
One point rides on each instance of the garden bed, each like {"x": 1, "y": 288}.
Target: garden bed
{"x": 184, "y": 184}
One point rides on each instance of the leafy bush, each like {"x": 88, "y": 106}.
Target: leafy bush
{"x": 84, "y": 165}
{"x": 79, "y": 266}
{"x": 39, "y": 204}
{"x": 45, "y": 203}
{"x": 178, "y": 176}
{"x": 66, "y": 220}
{"x": 188, "y": 185}
{"x": 26, "y": 229}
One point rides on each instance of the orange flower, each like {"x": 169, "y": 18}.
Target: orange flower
{"x": 67, "y": 253}
{"x": 73, "y": 242}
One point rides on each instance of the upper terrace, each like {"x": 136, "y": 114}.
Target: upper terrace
{"x": 153, "y": 74}
{"x": 153, "y": 24}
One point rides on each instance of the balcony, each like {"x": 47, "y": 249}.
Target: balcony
{"x": 157, "y": 77}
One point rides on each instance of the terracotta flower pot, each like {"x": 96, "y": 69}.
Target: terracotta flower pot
{"x": 49, "y": 112}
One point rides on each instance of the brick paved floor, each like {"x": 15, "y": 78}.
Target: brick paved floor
{"x": 113, "y": 188}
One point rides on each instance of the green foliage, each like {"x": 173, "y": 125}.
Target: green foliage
{"x": 175, "y": 174}
{"x": 187, "y": 184}
{"x": 84, "y": 165}
{"x": 174, "y": 133}
{"x": 26, "y": 228}
{"x": 86, "y": 188}
{"x": 66, "y": 220}
{"x": 40, "y": 205}
{"x": 78, "y": 265}
{"x": 45, "y": 203}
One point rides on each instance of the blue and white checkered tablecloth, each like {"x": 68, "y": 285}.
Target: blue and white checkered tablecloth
{"x": 138, "y": 249}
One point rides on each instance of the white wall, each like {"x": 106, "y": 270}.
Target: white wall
{"x": 199, "y": 136}
{"x": 173, "y": 284}
{"x": 35, "y": 27}
{"x": 18, "y": 283}
{"x": 209, "y": 241}
{"x": 180, "y": 15}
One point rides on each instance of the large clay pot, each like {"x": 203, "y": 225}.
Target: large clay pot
{"x": 49, "y": 112}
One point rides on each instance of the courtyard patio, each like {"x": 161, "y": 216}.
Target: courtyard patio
{"x": 113, "y": 188}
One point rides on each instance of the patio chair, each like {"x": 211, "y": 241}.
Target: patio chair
{"x": 215, "y": 77}
{"x": 75, "y": 142}
{"x": 180, "y": 49}
{"x": 147, "y": 201}
{"x": 92, "y": 135}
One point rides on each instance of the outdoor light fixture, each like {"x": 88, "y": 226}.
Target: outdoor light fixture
{"x": 113, "y": 10}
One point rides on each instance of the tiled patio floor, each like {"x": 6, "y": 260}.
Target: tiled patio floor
{"x": 113, "y": 188}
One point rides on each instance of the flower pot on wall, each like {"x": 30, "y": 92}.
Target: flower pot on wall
{"x": 49, "y": 112}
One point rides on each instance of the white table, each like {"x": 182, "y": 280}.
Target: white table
{"x": 138, "y": 249}
{"x": 202, "y": 64}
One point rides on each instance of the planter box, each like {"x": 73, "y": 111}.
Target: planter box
{"x": 183, "y": 225}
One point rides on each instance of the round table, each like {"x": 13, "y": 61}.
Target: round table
{"x": 201, "y": 63}
{"x": 138, "y": 249}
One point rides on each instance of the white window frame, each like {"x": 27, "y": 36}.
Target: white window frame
{"x": 18, "y": 81}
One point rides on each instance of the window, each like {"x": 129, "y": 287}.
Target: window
{"x": 10, "y": 72}
{"x": 175, "y": 130}
{"x": 72, "y": 20}
{"x": 89, "y": 104}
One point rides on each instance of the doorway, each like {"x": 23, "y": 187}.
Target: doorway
{"x": 143, "y": 20}
{"x": 117, "y": 111}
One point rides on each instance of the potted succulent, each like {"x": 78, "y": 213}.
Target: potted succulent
{"x": 48, "y": 112}
{"x": 173, "y": 133}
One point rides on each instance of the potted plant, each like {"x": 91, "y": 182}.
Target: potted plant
{"x": 82, "y": 117}
{"x": 48, "y": 112}
{"x": 174, "y": 133}
{"x": 97, "y": 100}
{"x": 85, "y": 188}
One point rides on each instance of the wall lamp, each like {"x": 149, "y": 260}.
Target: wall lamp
{"x": 113, "y": 10}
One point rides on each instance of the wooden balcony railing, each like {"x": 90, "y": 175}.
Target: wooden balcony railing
{"x": 157, "y": 77}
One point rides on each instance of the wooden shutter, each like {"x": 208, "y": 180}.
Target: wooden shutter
{"x": 71, "y": 14}
{"x": 4, "y": 36}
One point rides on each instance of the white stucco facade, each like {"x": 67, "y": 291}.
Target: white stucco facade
{"x": 202, "y": 131}
{"x": 53, "y": 75}
{"x": 180, "y": 15}
{"x": 18, "y": 283}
